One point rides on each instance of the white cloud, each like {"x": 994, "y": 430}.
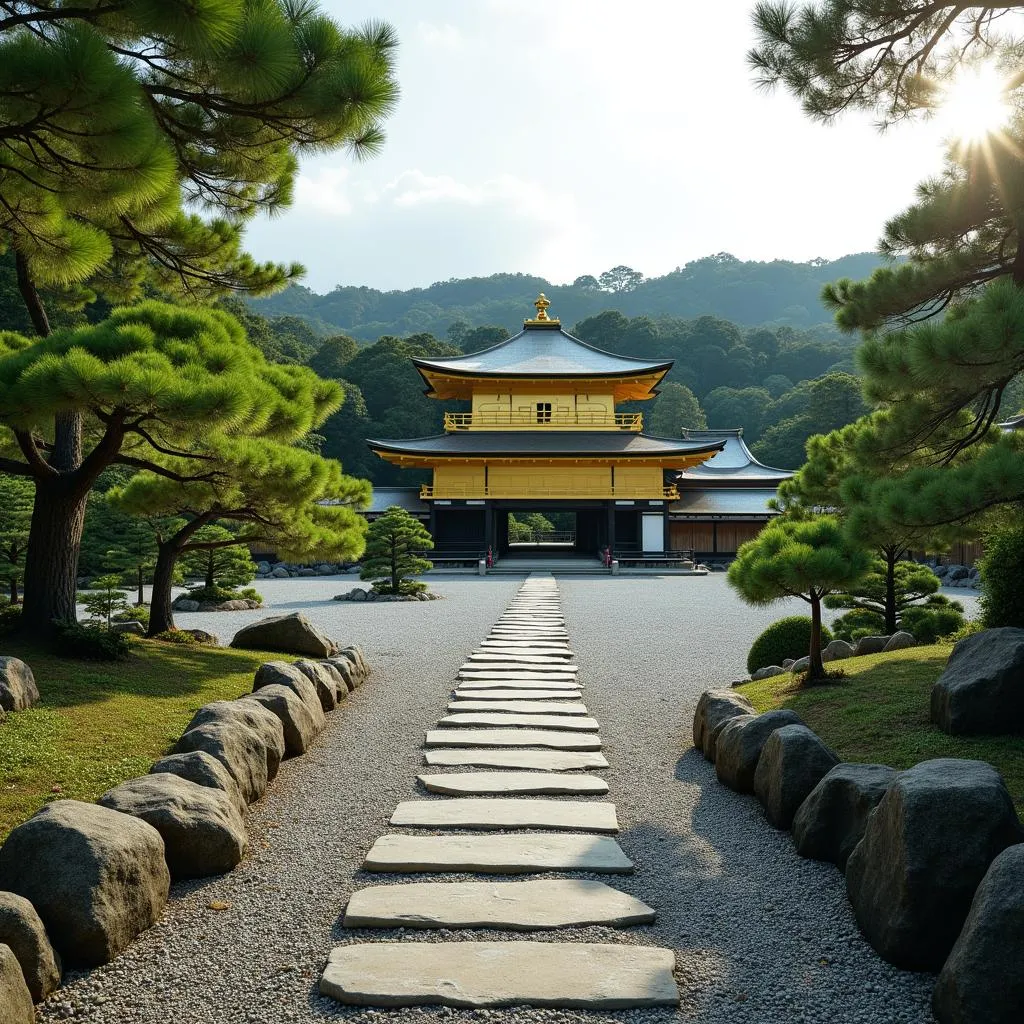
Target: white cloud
{"x": 325, "y": 190}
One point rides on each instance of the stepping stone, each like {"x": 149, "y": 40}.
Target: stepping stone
{"x": 535, "y": 783}
{"x": 518, "y": 681}
{"x": 535, "y": 721}
{"x": 519, "y": 906}
{"x": 512, "y": 738}
{"x": 532, "y": 760}
{"x": 499, "y": 855}
{"x": 498, "y": 646}
{"x": 471, "y": 975}
{"x": 521, "y": 659}
{"x": 473, "y": 694}
{"x": 522, "y": 707}
{"x": 494, "y": 814}
{"x": 543, "y": 669}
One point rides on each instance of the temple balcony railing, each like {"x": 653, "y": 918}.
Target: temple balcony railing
{"x": 533, "y": 420}
{"x": 621, "y": 493}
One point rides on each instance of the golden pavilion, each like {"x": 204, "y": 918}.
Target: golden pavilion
{"x": 542, "y": 434}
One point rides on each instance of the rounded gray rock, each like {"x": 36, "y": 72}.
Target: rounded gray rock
{"x": 713, "y": 708}
{"x": 201, "y": 827}
{"x": 96, "y": 877}
{"x": 301, "y": 723}
{"x": 18, "y": 689}
{"x": 23, "y": 931}
{"x": 323, "y": 682}
{"x": 289, "y": 634}
{"x": 283, "y": 673}
{"x": 831, "y": 821}
{"x": 793, "y": 761}
{"x": 982, "y": 978}
{"x": 265, "y": 726}
{"x": 15, "y": 999}
{"x": 739, "y": 746}
{"x": 238, "y": 748}
{"x": 204, "y": 770}
{"x": 926, "y": 847}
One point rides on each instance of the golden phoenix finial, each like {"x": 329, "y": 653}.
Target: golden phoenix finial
{"x": 542, "y": 304}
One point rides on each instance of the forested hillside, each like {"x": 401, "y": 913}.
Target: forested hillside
{"x": 747, "y": 293}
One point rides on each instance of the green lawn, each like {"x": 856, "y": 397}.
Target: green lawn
{"x": 100, "y": 723}
{"x": 879, "y": 713}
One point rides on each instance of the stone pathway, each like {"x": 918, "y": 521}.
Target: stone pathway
{"x": 518, "y": 683}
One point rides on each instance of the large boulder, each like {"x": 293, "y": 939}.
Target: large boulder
{"x": 871, "y": 645}
{"x": 260, "y": 722}
{"x": 289, "y": 634}
{"x": 18, "y": 689}
{"x": 301, "y": 722}
{"x": 355, "y": 655}
{"x": 341, "y": 688}
{"x": 900, "y": 640}
{"x": 926, "y": 847}
{"x": 202, "y": 829}
{"x": 323, "y": 682}
{"x": 739, "y": 744}
{"x": 837, "y": 650}
{"x": 982, "y": 979}
{"x": 346, "y": 669}
{"x": 95, "y": 876}
{"x": 767, "y": 672}
{"x": 831, "y": 821}
{"x": 238, "y": 748}
{"x": 714, "y": 708}
{"x": 793, "y": 761}
{"x": 15, "y": 999}
{"x": 23, "y": 931}
{"x": 284, "y": 673}
{"x": 981, "y": 690}
{"x": 204, "y": 770}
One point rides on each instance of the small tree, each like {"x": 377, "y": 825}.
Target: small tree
{"x": 228, "y": 567}
{"x": 805, "y": 558}
{"x": 393, "y": 543}
{"x": 16, "y": 497}
{"x": 105, "y": 599}
{"x": 887, "y": 591}
{"x": 1002, "y": 598}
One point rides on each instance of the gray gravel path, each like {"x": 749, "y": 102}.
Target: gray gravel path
{"x": 761, "y": 935}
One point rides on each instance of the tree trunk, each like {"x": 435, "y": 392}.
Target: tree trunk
{"x": 890, "y": 592}
{"x": 14, "y": 589}
{"x": 142, "y": 595}
{"x": 394, "y": 568}
{"x": 161, "y": 617}
{"x": 51, "y": 561}
{"x": 29, "y": 295}
{"x": 816, "y": 668}
{"x": 209, "y": 569}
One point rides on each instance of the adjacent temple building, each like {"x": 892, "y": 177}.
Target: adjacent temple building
{"x": 543, "y": 435}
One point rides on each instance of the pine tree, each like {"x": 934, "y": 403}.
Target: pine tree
{"x": 155, "y": 385}
{"x": 224, "y": 567}
{"x": 393, "y": 543}
{"x": 16, "y": 495}
{"x": 805, "y": 558}
{"x": 269, "y": 493}
{"x": 675, "y": 409}
{"x": 887, "y": 56}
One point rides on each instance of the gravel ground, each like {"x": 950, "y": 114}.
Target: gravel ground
{"x": 760, "y": 934}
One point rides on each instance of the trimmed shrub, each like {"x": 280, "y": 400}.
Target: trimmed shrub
{"x": 858, "y": 622}
{"x": 405, "y": 587}
{"x": 133, "y": 613}
{"x": 938, "y": 616}
{"x": 10, "y": 618}
{"x": 787, "y": 638}
{"x": 90, "y": 643}
{"x": 177, "y": 636}
{"x": 1002, "y": 568}
{"x": 219, "y": 594}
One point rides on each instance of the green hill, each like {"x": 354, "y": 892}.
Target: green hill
{"x": 779, "y": 293}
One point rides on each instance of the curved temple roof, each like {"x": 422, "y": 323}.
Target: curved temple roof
{"x": 734, "y": 465}
{"x": 541, "y": 351}
{"x": 546, "y": 444}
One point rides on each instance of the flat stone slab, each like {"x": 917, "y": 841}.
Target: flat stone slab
{"x": 517, "y": 681}
{"x": 496, "y": 692}
{"x": 570, "y": 975}
{"x": 522, "y": 707}
{"x": 512, "y": 738}
{"x": 512, "y": 670}
{"x": 529, "y": 647}
{"x": 522, "y": 783}
{"x": 519, "y": 906}
{"x": 535, "y": 721}
{"x": 493, "y": 814}
{"x": 522, "y": 659}
{"x": 499, "y": 855}
{"x": 534, "y": 760}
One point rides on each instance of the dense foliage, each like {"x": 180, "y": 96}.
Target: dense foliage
{"x": 1002, "y": 569}
{"x": 805, "y": 558}
{"x": 779, "y": 292}
{"x": 16, "y": 495}
{"x": 789, "y": 638}
{"x": 226, "y": 567}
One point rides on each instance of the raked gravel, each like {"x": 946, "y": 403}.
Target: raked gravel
{"x": 761, "y": 935}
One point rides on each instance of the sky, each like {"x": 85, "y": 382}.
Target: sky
{"x": 564, "y": 137}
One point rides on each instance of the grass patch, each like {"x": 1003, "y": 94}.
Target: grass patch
{"x": 879, "y": 711}
{"x": 100, "y": 723}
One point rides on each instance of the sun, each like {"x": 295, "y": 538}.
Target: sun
{"x": 974, "y": 104}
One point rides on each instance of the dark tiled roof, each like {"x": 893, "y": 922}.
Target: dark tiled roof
{"x": 733, "y": 465}
{"x": 542, "y": 352}
{"x": 724, "y": 501}
{"x": 619, "y": 443}
{"x": 405, "y": 497}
